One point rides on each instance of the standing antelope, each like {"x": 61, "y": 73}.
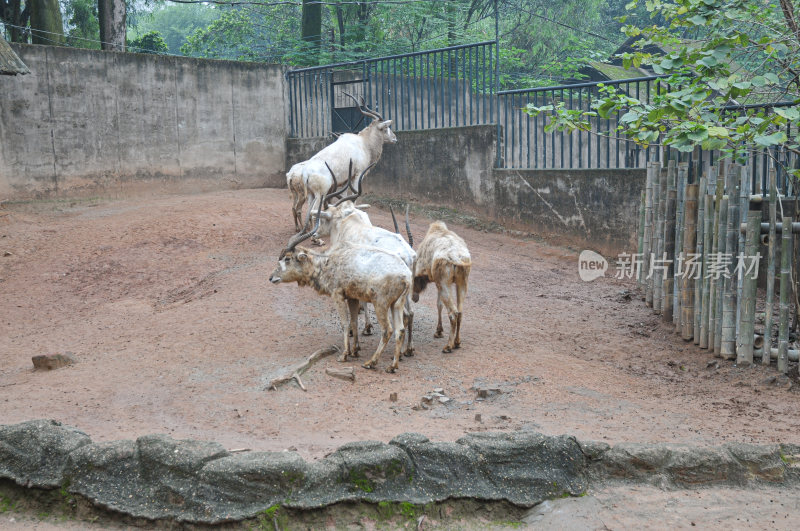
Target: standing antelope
{"x": 311, "y": 178}
{"x": 344, "y": 222}
{"x": 443, "y": 258}
{"x": 350, "y": 273}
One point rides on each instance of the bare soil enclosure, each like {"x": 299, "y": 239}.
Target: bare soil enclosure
{"x": 165, "y": 304}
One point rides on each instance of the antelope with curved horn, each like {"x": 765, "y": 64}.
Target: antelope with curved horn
{"x": 351, "y": 273}
{"x": 346, "y": 222}
{"x": 310, "y": 178}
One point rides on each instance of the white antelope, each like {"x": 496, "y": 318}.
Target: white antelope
{"x": 352, "y": 273}
{"x": 443, "y": 258}
{"x": 347, "y": 222}
{"x": 311, "y": 179}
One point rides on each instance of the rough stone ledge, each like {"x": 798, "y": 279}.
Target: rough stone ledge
{"x": 156, "y": 477}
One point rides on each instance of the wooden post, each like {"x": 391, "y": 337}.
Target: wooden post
{"x": 648, "y": 236}
{"x": 786, "y": 282}
{"x": 669, "y": 248}
{"x": 747, "y": 316}
{"x": 699, "y": 246}
{"x": 723, "y": 227}
{"x": 728, "y": 344}
{"x": 687, "y": 280}
{"x": 712, "y": 282}
{"x": 640, "y": 246}
{"x": 772, "y": 246}
{"x": 708, "y": 238}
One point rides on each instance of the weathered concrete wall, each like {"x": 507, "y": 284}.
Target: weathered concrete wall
{"x": 88, "y": 122}
{"x": 455, "y": 167}
{"x": 159, "y": 478}
{"x": 598, "y": 209}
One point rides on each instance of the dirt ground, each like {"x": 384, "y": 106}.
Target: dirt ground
{"x": 166, "y": 305}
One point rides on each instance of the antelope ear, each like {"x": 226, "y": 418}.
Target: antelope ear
{"x": 384, "y": 125}
{"x": 302, "y": 257}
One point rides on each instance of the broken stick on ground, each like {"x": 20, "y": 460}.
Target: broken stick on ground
{"x": 295, "y": 372}
{"x": 345, "y": 373}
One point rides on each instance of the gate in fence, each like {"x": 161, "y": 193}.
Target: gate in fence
{"x": 446, "y": 87}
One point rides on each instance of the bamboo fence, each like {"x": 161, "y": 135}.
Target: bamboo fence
{"x": 707, "y": 243}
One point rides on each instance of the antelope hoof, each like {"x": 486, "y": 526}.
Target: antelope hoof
{"x": 342, "y": 358}
{"x": 369, "y": 365}
{"x": 409, "y": 353}
{"x": 367, "y": 331}
{"x": 447, "y": 349}
{"x": 390, "y": 369}
{"x": 457, "y": 345}
{"x": 438, "y": 333}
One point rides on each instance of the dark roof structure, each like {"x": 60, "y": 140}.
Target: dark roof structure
{"x": 10, "y": 63}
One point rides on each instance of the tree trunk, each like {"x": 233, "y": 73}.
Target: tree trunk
{"x": 11, "y": 12}
{"x": 312, "y": 27}
{"x": 46, "y": 17}
{"x": 112, "y": 16}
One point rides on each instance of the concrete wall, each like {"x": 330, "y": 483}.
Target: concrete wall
{"x": 455, "y": 167}
{"x": 90, "y": 122}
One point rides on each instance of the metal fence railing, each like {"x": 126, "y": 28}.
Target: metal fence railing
{"x": 456, "y": 86}
{"x": 446, "y": 87}
{"x": 528, "y": 145}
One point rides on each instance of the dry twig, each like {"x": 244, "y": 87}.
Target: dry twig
{"x": 295, "y": 372}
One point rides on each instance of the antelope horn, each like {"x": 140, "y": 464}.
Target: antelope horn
{"x": 359, "y": 192}
{"x": 302, "y": 235}
{"x": 408, "y": 229}
{"x": 394, "y": 220}
{"x": 336, "y": 193}
{"x": 362, "y": 107}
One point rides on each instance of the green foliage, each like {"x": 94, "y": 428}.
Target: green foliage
{"x": 175, "y": 22}
{"x": 706, "y": 87}
{"x": 83, "y": 29}
{"x": 8, "y": 505}
{"x": 273, "y": 517}
{"x": 360, "y": 480}
{"x": 151, "y": 42}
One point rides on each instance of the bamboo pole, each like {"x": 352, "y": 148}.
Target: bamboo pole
{"x": 682, "y": 176}
{"x": 640, "y": 246}
{"x": 792, "y": 354}
{"x": 700, "y": 246}
{"x": 773, "y": 195}
{"x": 648, "y": 235}
{"x": 744, "y": 195}
{"x": 687, "y": 280}
{"x": 712, "y": 282}
{"x": 728, "y": 344}
{"x": 658, "y": 273}
{"x": 720, "y": 282}
{"x": 669, "y": 249}
{"x": 705, "y": 295}
{"x": 747, "y": 315}
{"x": 786, "y": 280}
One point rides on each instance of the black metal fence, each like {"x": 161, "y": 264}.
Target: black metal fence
{"x": 447, "y": 87}
{"x": 528, "y": 145}
{"x": 456, "y": 86}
